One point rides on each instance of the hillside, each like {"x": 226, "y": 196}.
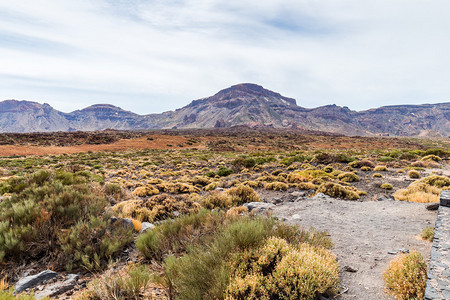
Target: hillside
{"x": 243, "y": 104}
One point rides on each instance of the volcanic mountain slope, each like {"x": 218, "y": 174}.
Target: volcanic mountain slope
{"x": 26, "y": 116}
{"x": 243, "y": 104}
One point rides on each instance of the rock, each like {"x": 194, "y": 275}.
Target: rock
{"x": 392, "y": 252}
{"x": 31, "y": 281}
{"x": 433, "y": 206}
{"x": 219, "y": 189}
{"x": 123, "y": 221}
{"x": 349, "y": 269}
{"x": 385, "y": 198}
{"x": 259, "y": 207}
{"x": 146, "y": 226}
{"x": 298, "y": 194}
{"x": 296, "y": 216}
{"x": 59, "y": 287}
{"x": 277, "y": 200}
{"x": 321, "y": 196}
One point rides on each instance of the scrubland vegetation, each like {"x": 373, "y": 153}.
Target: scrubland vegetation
{"x": 56, "y": 211}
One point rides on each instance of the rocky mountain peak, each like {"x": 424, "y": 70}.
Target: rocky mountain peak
{"x": 250, "y": 91}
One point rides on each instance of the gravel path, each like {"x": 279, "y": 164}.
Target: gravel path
{"x": 363, "y": 233}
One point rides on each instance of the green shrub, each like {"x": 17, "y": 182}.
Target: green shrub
{"x": 276, "y": 186}
{"x": 380, "y": 169}
{"x": 243, "y": 194}
{"x": 174, "y": 236}
{"x": 9, "y": 295}
{"x": 216, "y": 199}
{"x": 362, "y": 163}
{"x": 348, "y": 177}
{"x": 413, "y": 174}
{"x": 119, "y": 286}
{"x": 92, "y": 243}
{"x": 338, "y": 191}
{"x": 406, "y": 276}
{"x": 431, "y": 157}
{"x": 427, "y": 234}
{"x": 209, "y": 270}
{"x": 46, "y": 204}
{"x": 223, "y": 171}
{"x": 377, "y": 175}
{"x": 386, "y": 186}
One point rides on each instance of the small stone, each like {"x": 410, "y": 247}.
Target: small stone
{"x": 147, "y": 226}
{"x": 297, "y": 194}
{"x": 393, "y": 252}
{"x": 349, "y": 269}
{"x": 433, "y": 206}
{"x": 259, "y": 207}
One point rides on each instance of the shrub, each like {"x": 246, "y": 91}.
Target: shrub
{"x": 386, "y": 186}
{"x": 362, "y": 163}
{"x": 174, "y": 236}
{"x": 307, "y": 175}
{"x": 217, "y": 199}
{"x": 431, "y": 157}
{"x": 406, "y": 276}
{"x": 129, "y": 284}
{"x": 223, "y": 171}
{"x": 46, "y": 204}
{"x": 177, "y": 188}
{"x": 9, "y": 295}
{"x": 427, "y": 234}
{"x": 425, "y": 190}
{"x": 377, "y": 175}
{"x": 145, "y": 191}
{"x": 276, "y": 186}
{"x": 158, "y": 207}
{"x": 338, "y": 191}
{"x": 348, "y": 177}
{"x": 208, "y": 270}
{"x": 365, "y": 168}
{"x": 243, "y": 194}
{"x": 413, "y": 174}
{"x": 92, "y": 243}
{"x": 380, "y": 169}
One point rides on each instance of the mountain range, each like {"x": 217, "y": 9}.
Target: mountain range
{"x": 243, "y": 104}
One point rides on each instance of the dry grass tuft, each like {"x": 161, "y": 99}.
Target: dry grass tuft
{"x": 406, "y": 276}
{"x": 425, "y": 190}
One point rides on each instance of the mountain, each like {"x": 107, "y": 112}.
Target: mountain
{"x": 240, "y": 105}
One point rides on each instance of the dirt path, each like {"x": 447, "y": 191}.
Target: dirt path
{"x": 363, "y": 233}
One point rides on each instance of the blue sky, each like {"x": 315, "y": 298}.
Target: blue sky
{"x": 153, "y": 56}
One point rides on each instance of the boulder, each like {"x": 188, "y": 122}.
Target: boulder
{"x": 59, "y": 287}
{"x": 123, "y": 221}
{"x": 33, "y": 280}
{"x": 146, "y": 226}
{"x": 259, "y": 207}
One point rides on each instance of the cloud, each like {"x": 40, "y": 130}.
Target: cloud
{"x": 152, "y": 56}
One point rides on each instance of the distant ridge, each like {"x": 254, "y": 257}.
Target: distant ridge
{"x": 243, "y": 104}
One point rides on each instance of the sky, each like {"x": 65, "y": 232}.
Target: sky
{"x": 153, "y": 56}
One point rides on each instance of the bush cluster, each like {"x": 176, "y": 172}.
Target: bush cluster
{"x": 406, "y": 276}
{"x": 240, "y": 258}
{"x": 47, "y": 207}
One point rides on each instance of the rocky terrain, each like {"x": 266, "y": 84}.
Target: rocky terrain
{"x": 243, "y": 104}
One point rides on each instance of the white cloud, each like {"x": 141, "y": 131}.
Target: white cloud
{"x": 151, "y": 56}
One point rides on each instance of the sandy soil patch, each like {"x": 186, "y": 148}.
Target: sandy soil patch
{"x": 363, "y": 234}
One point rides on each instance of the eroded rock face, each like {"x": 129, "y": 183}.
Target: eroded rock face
{"x": 239, "y": 105}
